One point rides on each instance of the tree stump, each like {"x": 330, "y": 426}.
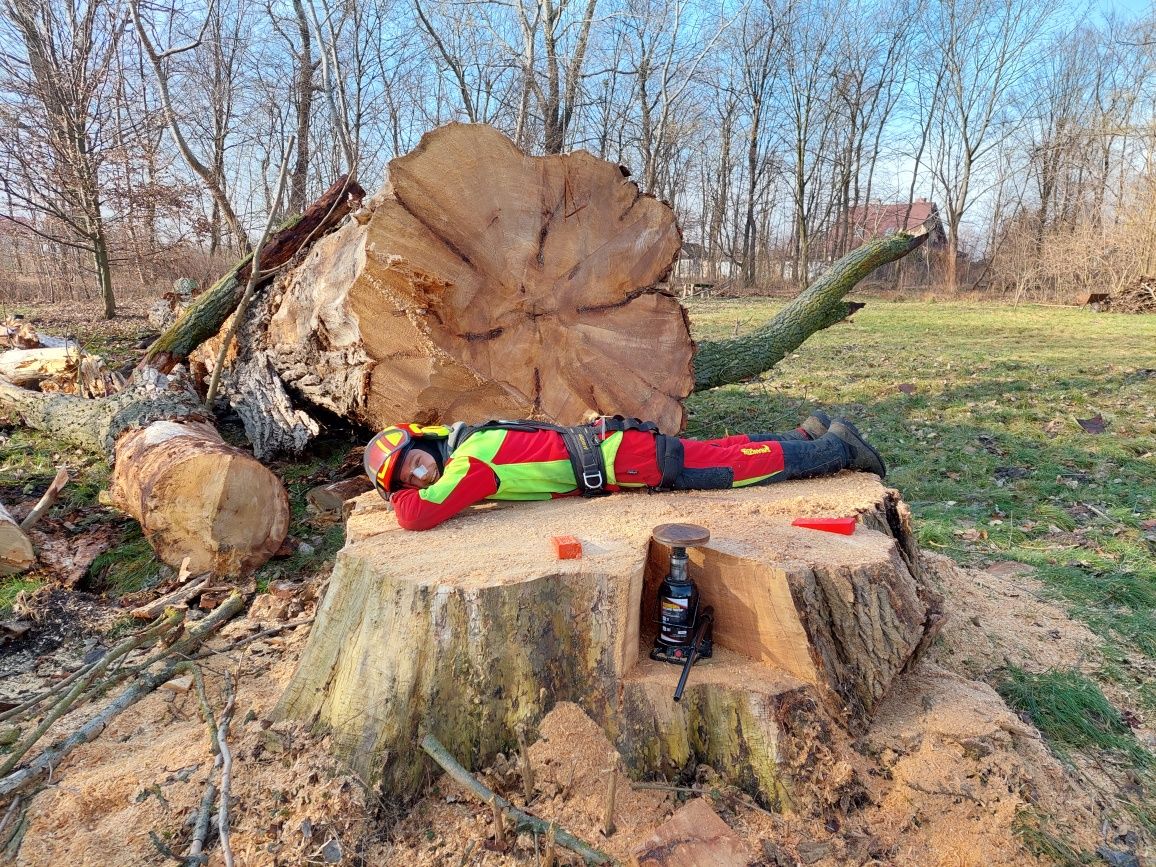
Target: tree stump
{"x": 485, "y": 283}
{"x": 466, "y": 630}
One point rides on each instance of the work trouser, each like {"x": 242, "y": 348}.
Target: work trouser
{"x": 755, "y": 459}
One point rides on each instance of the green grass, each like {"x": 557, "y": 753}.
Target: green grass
{"x": 1071, "y": 712}
{"x": 987, "y": 449}
{"x": 988, "y": 452}
{"x": 128, "y": 567}
{"x": 11, "y": 587}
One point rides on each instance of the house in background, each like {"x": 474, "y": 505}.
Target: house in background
{"x": 696, "y": 271}
{"x": 875, "y": 219}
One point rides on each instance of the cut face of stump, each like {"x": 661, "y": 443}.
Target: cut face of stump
{"x": 473, "y": 627}
{"x": 488, "y": 283}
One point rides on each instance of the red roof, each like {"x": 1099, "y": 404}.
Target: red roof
{"x": 877, "y": 218}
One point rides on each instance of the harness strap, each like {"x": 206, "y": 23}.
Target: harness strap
{"x": 583, "y": 447}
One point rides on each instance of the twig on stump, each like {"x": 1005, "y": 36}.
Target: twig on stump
{"x": 522, "y": 821}
{"x": 46, "y": 501}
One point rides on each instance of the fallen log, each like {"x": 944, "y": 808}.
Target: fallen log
{"x": 29, "y": 367}
{"x": 490, "y": 284}
{"x": 198, "y": 498}
{"x": 485, "y": 283}
{"x": 193, "y": 495}
{"x": 16, "y": 554}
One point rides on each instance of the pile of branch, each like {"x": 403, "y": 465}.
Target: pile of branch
{"x": 1140, "y": 297}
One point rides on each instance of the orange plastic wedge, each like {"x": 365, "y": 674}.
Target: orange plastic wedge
{"x": 844, "y": 526}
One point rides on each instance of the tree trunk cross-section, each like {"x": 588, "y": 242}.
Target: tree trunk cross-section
{"x": 472, "y": 628}
{"x": 487, "y": 283}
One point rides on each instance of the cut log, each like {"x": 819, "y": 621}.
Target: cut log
{"x": 16, "y": 554}
{"x": 471, "y": 628}
{"x": 483, "y": 283}
{"x": 199, "y": 499}
{"x": 28, "y": 367}
{"x": 193, "y": 495}
{"x": 487, "y": 283}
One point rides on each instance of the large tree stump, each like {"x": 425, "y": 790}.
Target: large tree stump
{"x": 487, "y": 283}
{"x": 473, "y": 627}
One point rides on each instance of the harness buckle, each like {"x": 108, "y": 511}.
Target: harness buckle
{"x": 593, "y": 481}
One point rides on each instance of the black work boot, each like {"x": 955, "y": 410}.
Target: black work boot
{"x": 861, "y": 455}
{"x": 805, "y": 459}
{"x": 814, "y": 427}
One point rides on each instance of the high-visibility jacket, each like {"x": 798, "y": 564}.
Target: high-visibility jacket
{"x": 535, "y": 465}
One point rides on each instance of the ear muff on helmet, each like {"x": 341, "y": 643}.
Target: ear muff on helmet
{"x": 385, "y": 452}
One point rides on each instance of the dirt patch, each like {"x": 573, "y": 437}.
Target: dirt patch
{"x": 65, "y": 629}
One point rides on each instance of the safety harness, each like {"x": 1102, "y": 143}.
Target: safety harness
{"x": 582, "y": 445}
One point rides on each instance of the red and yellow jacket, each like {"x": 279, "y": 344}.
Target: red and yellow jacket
{"x": 534, "y": 465}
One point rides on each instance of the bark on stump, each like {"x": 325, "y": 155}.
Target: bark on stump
{"x": 466, "y": 630}
{"x": 486, "y": 283}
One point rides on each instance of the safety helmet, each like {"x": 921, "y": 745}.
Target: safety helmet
{"x": 384, "y": 453}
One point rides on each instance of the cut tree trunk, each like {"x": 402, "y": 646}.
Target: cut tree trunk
{"x": 16, "y": 554}
{"x": 472, "y": 628}
{"x": 29, "y": 367}
{"x": 198, "y": 500}
{"x": 193, "y": 495}
{"x": 487, "y": 283}
{"x": 483, "y": 283}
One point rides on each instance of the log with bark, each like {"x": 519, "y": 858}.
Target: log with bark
{"x": 473, "y": 628}
{"x": 484, "y": 283}
{"x": 193, "y": 495}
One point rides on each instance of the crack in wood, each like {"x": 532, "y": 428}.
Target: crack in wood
{"x": 637, "y": 293}
{"x": 473, "y": 336}
{"x": 450, "y": 245}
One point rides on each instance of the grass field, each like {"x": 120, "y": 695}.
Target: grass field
{"x": 976, "y": 410}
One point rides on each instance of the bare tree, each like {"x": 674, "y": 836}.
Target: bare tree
{"x": 59, "y": 64}
{"x": 212, "y": 174}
